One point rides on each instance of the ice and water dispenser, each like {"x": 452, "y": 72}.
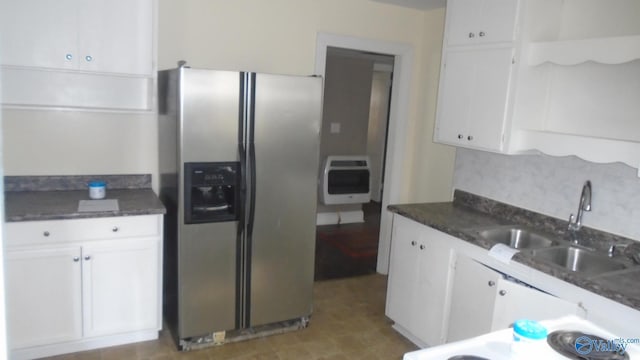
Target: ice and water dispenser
{"x": 211, "y": 192}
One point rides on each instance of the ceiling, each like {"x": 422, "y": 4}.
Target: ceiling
{"x": 416, "y": 4}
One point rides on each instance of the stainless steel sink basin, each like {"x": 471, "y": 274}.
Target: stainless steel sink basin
{"x": 579, "y": 260}
{"x": 516, "y": 237}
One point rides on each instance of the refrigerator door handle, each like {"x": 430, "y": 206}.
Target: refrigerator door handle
{"x": 252, "y": 201}
{"x": 243, "y": 189}
{"x": 252, "y": 154}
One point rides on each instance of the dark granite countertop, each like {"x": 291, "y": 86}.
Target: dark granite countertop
{"x": 468, "y": 212}
{"x": 57, "y": 197}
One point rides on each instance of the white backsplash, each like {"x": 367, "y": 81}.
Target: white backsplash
{"x": 552, "y": 186}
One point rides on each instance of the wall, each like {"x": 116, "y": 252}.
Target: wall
{"x": 39, "y": 142}
{"x": 276, "y": 36}
{"x": 552, "y": 186}
{"x": 377, "y": 131}
{"x": 279, "y": 36}
{"x": 347, "y": 94}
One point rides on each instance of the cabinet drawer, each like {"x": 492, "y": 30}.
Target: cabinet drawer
{"x": 61, "y": 231}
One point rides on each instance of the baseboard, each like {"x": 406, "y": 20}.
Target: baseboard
{"x": 340, "y": 217}
{"x": 407, "y": 334}
{"x": 83, "y": 345}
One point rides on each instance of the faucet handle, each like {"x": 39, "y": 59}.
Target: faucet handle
{"x": 571, "y": 225}
{"x": 612, "y": 250}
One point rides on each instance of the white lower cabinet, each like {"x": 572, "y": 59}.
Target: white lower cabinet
{"x": 44, "y": 303}
{"x": 71, "y": 288}
{"x": 120, "y": 286}
{"x": 418, "y": 281}
{"x": 440, "y": 291}
{"x": 483, "y": 300}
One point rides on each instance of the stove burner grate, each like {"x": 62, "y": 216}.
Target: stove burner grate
{"x": 564, "y": 342}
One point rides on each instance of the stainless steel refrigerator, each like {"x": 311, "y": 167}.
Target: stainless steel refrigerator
{"x": 238, "y": 174}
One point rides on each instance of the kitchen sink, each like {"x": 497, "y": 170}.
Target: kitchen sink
{"x": 517, "y": 237}
{"x": 578, "y": 260}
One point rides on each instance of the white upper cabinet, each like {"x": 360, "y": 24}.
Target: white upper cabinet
{"x": 115, "y": 36}
{"x": 97, "y": 54}
{"x": 476, "y": 74}
{"x": 568, "y": 87}
{"x": 472, "y": 102}
{"x": 578, "y": 80}
{"x": 38, "y": 33}
{"x": 477, "y": 22}
{"x": 99, "y": 35}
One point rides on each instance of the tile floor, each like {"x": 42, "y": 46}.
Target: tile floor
{"x": 348, "y": 323}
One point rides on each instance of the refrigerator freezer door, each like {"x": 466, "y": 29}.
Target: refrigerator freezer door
{"x": 210, "y": 120}
{"x": 209, "y": 104}
{"x": 288, "y": 112}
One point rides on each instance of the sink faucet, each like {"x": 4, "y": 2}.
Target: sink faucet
{"x": 585, "y": 205}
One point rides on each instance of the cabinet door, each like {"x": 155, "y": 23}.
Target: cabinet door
{"x": 120, "y": 286}
{"x": 454, "y": 98}
{"x": 38, "y": 33}
{"x": 115, "y": 36}
{"x": 476, "y": 22}
{"x": 474, "y": 94}
{"x": 403, "y": 272}
{"x": 516, "y": 301}
{"x": 43, "y": 289}
{"x": 433, "y": 283}
{"x": 472, "y": 299}
{"x": 489, "y": 102}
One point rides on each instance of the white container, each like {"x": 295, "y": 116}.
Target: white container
{"x": 529, "y": 340}
{"x": 97, "y": 189}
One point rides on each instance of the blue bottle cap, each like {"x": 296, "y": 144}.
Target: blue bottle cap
{"x": 97, "y": 184}
{"x": 529, "y": 329}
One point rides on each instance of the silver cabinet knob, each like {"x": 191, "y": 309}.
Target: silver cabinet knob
{"x": 46, "y": 233}
{"x": 460, "y": 136}
{"x": 115, "y": 229}
{"x": 68, "y": 56}
{"x": 492, "y": 283}
{"x": 76, "y": 258}
{"x": 88, "y": 58}
{"x": 481, "y": 34}
{"x": 421, "y": 246}
{"x": 87, "y": 258}
{"x": 471, "y": 35}
{"x": 502, "y": 292}
{"x": 413, "y": 243}
{"x": 469, "y": 137}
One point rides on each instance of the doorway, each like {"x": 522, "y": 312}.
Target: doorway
{"x": 357, "y": 95}
{"x": 394, "y": 178}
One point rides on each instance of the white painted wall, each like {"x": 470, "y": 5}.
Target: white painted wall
{"x": 552, "y": 186}
{"x": 279, "y": 36}
{"x": 39, "y": 142}
{"x": 276, "y": 36}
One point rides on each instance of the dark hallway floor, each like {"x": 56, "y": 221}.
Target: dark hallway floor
{"x": 346, "y": 250}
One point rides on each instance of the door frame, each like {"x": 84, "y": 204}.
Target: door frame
{"x": 398, "y": 120}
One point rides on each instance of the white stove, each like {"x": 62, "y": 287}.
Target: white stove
{"x": 497, "y": 345}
